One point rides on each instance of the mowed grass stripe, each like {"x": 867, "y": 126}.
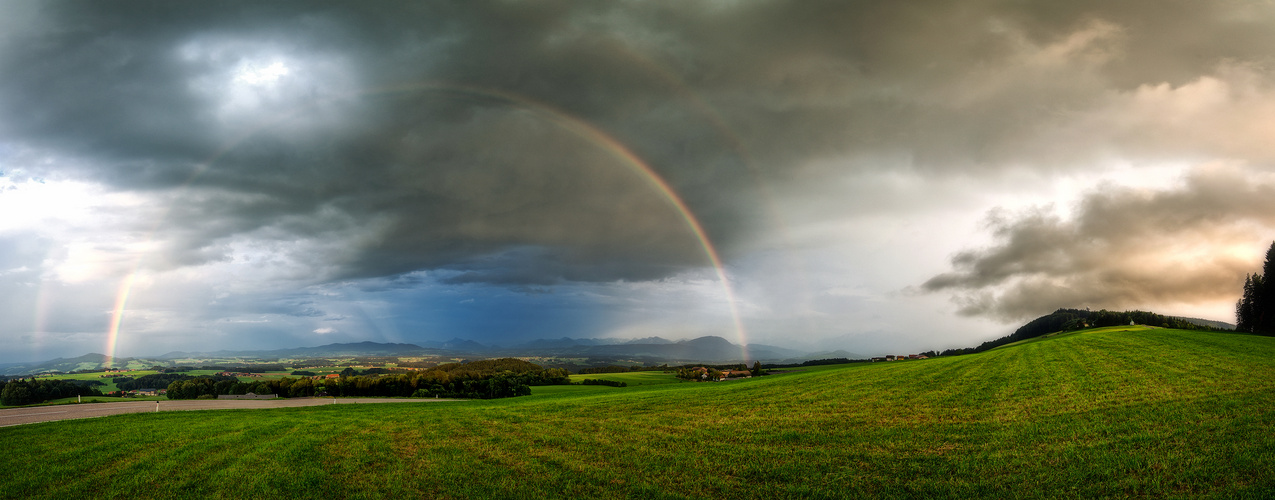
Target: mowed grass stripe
{"x": 1105, "y": 413}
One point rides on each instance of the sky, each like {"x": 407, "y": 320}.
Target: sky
{"x": 872, "y": 176}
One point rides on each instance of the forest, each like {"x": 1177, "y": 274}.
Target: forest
{"x": 24, "y": 392}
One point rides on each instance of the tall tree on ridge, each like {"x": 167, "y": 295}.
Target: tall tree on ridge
{"x": 1255, "y": 312}
{"x": 1266, "y": 296}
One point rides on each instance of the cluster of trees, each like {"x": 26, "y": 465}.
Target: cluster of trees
{"x": 1255, "y": 311}
{"x": 206, "y": 385}
{"x": 490, "y": 378}
{"x": 25, "y": 392}
{"x": 717, "y": 372}
{"x": 699, "y": 373}
{"x": 485, "y": 379}
{"x": 496, "y": 386}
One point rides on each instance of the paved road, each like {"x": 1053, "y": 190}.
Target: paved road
{"x": 31, "y": 415}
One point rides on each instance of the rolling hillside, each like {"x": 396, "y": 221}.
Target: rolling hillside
{"x": 1126, "y": 411}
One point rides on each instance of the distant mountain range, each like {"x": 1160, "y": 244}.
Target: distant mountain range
{"x": 90, "y": 361}
{"x": 352, "y": 349}
{"x": 709, "y": 349}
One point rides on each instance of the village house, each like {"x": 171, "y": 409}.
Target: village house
{"x": 239, "y": 374}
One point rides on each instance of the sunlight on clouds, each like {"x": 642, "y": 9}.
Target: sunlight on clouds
{"x": 249, "y": 82}
{"x": 1225, "y": 114}
{"x": 35, "y": 203}
{"x": 100, "y": 232}
{"x": 253, "y": 74}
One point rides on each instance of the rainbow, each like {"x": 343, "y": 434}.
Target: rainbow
{"x": 627, "y": 157}
{"x": 554, "y": 115}
{"x": 117, "y": 316}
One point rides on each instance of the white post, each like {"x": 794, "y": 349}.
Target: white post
{"x": 77, "y": 399}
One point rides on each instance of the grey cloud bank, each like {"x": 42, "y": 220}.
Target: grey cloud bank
{"x": 265, "y": 171}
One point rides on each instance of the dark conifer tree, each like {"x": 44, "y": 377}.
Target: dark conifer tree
{"x": 1265, "y": 318}
{"x": 1255, "y": 312}
{"x": 1244, "y": 307}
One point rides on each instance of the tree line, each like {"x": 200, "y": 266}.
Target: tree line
{"x": 1255, "y": 311}
{"x": 496, "y": 378}
{"x": 25, "y": 392}
{"x": 154, "y": 381}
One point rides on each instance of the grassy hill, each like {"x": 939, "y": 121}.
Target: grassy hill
{"x": 1126, "y": 411}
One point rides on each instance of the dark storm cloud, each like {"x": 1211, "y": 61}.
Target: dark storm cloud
{"x": 457, "y": 175}
{"x": 1123, "y": 247}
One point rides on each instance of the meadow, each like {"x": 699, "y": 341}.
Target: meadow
{"x": 1116, "y": 412}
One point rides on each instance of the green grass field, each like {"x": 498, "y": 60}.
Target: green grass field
{"x": 1123, "y": 412}
{"x": 633, "y": 378}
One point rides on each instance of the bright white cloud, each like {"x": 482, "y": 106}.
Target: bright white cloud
{"x": 254, "y": 74}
